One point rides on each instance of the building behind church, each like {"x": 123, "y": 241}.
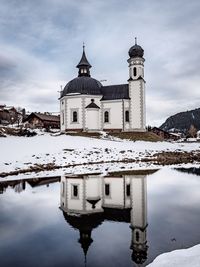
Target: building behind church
{"x": 87, "y": 105}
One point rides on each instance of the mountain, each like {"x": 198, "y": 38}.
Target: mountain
{"x": 182, "y": 121}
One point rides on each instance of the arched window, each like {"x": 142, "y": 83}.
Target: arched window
{"x": 75, "y": 116}
{"x": 127, "y": 116}
{"x": 137, "y": 236}
{"x": 134, "y": 71}
{"x": 106, "y": 116}
{"x": 107, "y": 189}
{"x": 128, "y": 190}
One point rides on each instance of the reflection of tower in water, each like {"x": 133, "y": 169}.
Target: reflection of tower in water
{"x": 139, "y": 219}
{"x": 86, "y": 201}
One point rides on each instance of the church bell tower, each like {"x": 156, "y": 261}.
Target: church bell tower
{"x": 137, "y": 89}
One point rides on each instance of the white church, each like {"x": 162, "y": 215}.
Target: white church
{"x": 86, "y": 105}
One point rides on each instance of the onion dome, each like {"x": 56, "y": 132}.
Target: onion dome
{"x": 136, "y": 50}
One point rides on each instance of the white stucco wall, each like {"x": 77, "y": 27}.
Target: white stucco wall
{"x": 70, "y": 103}
{"x": 139, "y": 201}
{"x": 117, "y": 194}
{"x": 92, "y": 119}
{"x": 114, "y": 107}
{"x": 74, "y": 204}
{"x": 74, "y": 104}
{"x": 92, "y": 116}
{"x": 93, "y": 186}
{"x": 94, "y": 191}
{"x": 136, "y": 92}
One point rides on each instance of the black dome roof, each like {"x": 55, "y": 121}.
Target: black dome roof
{"x": 136, "y": 51}
{"x": 84, "y": 222}
{"x": 83, "y": 85}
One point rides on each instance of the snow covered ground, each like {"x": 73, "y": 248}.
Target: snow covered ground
{"x": 63, "y": 150}
{"x": 179, "y": 258}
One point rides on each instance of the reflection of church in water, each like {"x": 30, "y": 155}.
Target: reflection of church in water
{"x": 88, "y": 200}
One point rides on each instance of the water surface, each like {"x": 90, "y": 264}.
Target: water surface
{"x": 122, "y": 219}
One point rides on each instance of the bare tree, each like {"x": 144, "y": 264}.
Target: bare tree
{"x": 192, "y": 131}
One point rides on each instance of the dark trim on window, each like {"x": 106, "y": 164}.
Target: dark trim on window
{"x": 126, "y": 116}
{"x": 107, "y": 189}
{"x": 134, "y": 71}
{"x": 106, "y": 116}
{"x": 74, "y": 116}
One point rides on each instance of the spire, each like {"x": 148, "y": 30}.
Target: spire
{"x": 135, "y": 40}
{"x": 85, "y": 240}
{"x": 84, "y": 65}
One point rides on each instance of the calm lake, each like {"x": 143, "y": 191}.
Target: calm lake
{"x": 122, "y": 219}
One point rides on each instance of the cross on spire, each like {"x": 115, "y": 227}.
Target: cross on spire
{"x": 135, "y": 40}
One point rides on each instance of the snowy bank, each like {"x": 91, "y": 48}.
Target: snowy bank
{"x": 19, "y": 153}
{"x": 179, "y": 258}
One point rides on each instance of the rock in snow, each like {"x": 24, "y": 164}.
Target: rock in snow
{"x": 179, "y": 258}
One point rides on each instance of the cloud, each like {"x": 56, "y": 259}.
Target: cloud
{"x": 41, "y": 45}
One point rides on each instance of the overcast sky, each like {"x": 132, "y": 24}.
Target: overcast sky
{"x": 41, "y": 43}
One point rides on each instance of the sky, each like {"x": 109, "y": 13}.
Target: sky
{"x": 41, "y": 44}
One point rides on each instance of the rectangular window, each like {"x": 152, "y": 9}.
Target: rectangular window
{"x": 107, "y": 189}
{"x": 128, "y": 190}
{"x": 75, "y": 191}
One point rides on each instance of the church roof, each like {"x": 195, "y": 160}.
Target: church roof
{"x": 86, "y": 85}
{"x": 92, "y": 105}
{"x": 84, "y": 61}
{"x": 112, "y": 92}
{"x": 89, "y": 86}
{"x": 83, "y": 85}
